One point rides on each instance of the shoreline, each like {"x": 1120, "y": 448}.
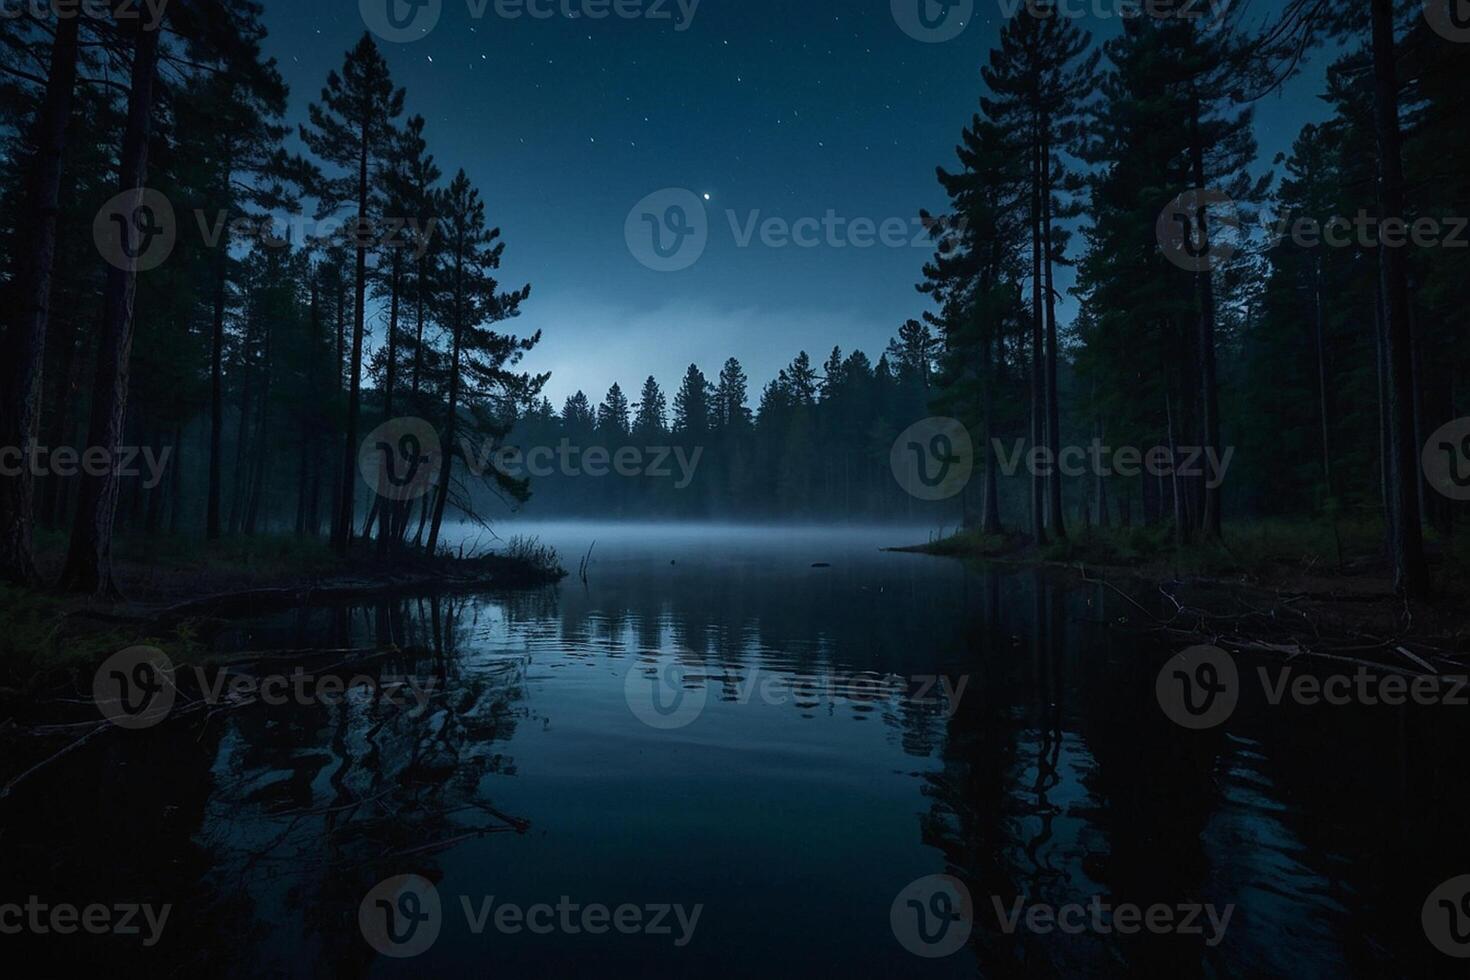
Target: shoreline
{"x": 177, "y": 597}
{"x": 1247, "y": 603}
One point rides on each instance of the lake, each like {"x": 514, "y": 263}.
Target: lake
{"x": 738, "y": 751}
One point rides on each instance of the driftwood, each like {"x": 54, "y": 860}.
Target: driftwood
{"x": 1284, "y": 629}
{"x": 97, "y": 729}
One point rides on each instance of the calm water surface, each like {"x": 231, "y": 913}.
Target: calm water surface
{"x": 796, "y": 745}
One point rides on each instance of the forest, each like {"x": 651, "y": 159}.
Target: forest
{"x": 322, "y": 279}
{"x": 1020, "y": 597}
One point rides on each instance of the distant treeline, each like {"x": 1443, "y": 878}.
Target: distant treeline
{"x": 815, "y": 447}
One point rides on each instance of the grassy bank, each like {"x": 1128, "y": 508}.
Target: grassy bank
{"x": 1265, "y": 552}
{"x": 178, "y": 589}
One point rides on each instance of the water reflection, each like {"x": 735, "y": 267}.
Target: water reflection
{"x": 858, "y": 727}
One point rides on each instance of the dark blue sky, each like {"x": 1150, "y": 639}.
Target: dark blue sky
{"x": 786, "y": 109}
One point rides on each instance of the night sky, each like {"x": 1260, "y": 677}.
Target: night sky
{"x": 786, "y": 109}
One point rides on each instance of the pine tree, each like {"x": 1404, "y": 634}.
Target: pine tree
{"x": 1036, "y": 86}
{"x": 802, "y": 380}
{"x": 692, "y": 405}
{"x": 650, "y": 421}
{"x": 480, "y": 359}
{"x": 25, "y": 342}
{"x": 613, "y": 417}
{"x": 89, "y": 552}
{"x": 731, "y": 394}
{"x": 352, "y": 130}
{"x": 578, "y": 418}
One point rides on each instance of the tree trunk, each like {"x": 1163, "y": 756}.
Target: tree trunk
{"x": 1210, "y": 523}
{"x": 20, "y": 410}
{"x": 387, "y": 509}
{"x": 334, "y": 487}
{"x": 262, "y": 440}
{"x": 176, "y": 484}
{"x": 1181, "y": 519}
{"x": 216, "y": 387}
{"x": 1322, "y": 382}
{"x": 89, "y": 555}
{"x": 1054, "y": 518}
{"x": 1385, "y": 438}
{"x": 343, "y": 536}
{"x": 990, "y": 494}
{"x": 1038, "y": 528}
{"x": 239, "y": 482}
{"x": 449, "y": 425}
{"x": 59, "y": 419}
{"x": 1411, "y": 574}
{"x": 1416, "y": 367}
